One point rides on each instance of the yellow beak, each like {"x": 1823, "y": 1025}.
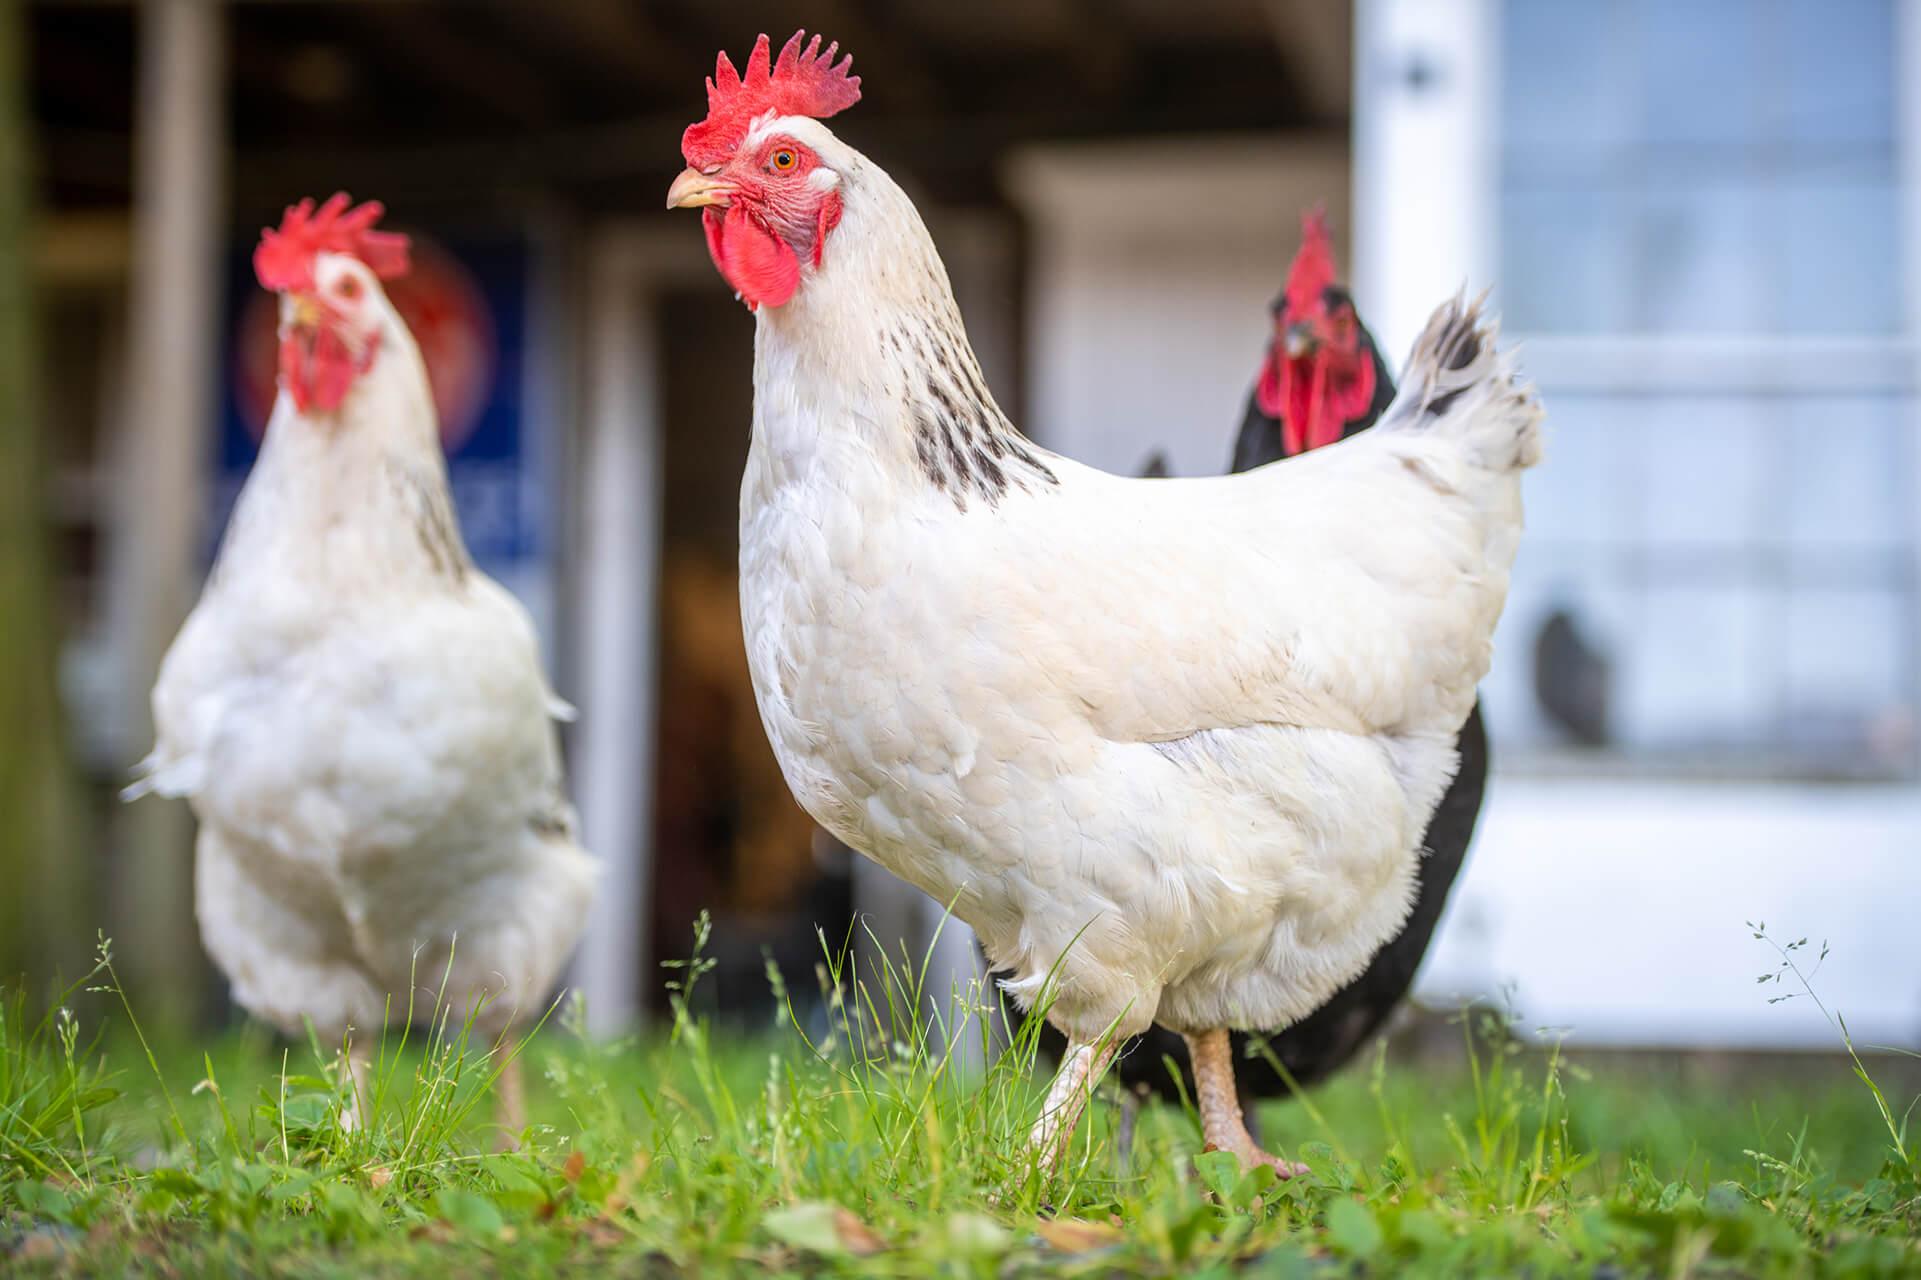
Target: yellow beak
{"x": 306, "y": 312}
{"x": 693, "y": 189}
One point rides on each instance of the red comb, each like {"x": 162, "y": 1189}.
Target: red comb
{"x": 1313, "y": 269}
{"x": 801, "y": 82}
{"x": 285, "y": 258}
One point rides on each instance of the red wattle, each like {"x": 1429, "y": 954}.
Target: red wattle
{"x": 759, "y": 264}
{"x": 1314, "y": 405}
{"x": 318, "y": 369}
{"x": 1347, "y": 402}
{"x": 1323, "y": 429}
{"x": 1270, "y": 388}
{"x": 1293, "y": 414}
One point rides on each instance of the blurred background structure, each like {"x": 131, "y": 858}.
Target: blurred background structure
{"x": 1703, "y": 219}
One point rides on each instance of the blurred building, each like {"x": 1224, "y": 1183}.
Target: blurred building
{"x": 1702, "y": 219}
{"x": 1704, "y": 222}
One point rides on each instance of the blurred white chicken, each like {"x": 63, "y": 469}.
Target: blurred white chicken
{"x": 356, "y": 714}
{"x": 1173, "y": 742}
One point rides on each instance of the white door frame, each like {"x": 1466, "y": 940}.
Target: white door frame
{"x": 617, "y": 590}
{"x": 1426, "y": 161}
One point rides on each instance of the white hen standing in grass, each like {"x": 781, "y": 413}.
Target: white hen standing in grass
{"x": 1179, "y": 738}
{"x": 355, "y": 712}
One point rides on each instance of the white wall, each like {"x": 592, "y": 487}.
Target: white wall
{"x": 1151, "y": 269}
{"x": 1616, "y": 910}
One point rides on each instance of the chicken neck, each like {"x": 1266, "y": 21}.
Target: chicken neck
{"x": 870, "y": 363}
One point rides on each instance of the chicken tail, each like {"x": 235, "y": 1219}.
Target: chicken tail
{"x": 157, "y": 776}
{"x": 1458, "y": 383}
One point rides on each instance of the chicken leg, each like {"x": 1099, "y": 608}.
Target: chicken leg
{"x": 360, "y": 1083}
{"x": 510, "y": 1093}
{"x": 1222, "y": 1125}
{"x": 1081, "y": 1069}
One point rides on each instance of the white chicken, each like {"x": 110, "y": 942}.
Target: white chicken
{"x": 357, "y": 714}
{"x": 1173, "y": 740}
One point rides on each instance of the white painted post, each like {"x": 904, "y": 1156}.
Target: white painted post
{"x": 174, "y": 338}
{"x": 1907, "y": 132}
{"x": 1426, "y": 177}
{"x": 618, "y": 602}
{"x": 1907, "y": 129}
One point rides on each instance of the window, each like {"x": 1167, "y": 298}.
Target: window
{"x": 1701, "y": 245}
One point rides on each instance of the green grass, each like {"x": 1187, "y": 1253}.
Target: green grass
{"x": 841, "y": 1142}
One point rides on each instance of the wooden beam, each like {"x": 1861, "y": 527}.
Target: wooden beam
{"x": 1316, "y": 43}
{"x": 174, "y": 337}
{"x": 44, "y": 915}
{"x": 93, "y": 250}
{"x": 438, "y": 43}
{"x": 617, "y": 39}
{"x": 1102, "y": 56}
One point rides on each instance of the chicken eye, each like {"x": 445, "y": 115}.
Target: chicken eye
{"x": 783, "y": 160}
{"x": 348, "y": 288}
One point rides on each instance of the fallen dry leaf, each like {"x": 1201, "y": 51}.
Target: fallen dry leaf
{"x": 379, "y": 1176}
{"x": 1074, "y": 1235}
{"x": 575, "y": 1166}
{"x": 38, "y": 1248}
{"x": 859, "y": 1238}
{"x": 603, "y": 1233}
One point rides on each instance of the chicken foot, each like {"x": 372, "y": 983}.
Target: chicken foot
{"x": 1222, "y": 1125}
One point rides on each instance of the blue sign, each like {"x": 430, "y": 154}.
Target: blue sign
{"x": 467, "y": 304}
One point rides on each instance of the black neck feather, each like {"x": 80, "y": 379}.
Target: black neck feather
{"x": 964, "y": 445}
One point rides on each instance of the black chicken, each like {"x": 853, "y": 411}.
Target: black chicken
{"x": 1322, "y": 380}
